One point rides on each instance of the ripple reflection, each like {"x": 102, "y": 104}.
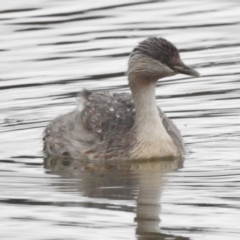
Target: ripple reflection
{"x": 141, "y": 181}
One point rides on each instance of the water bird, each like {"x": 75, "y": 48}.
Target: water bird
{"x": 107, "y": 125}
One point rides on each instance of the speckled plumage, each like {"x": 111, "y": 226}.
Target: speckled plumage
{"x": 98, "y": 128}
{"x": 108, "y": 125}
{"x": 98, "y": 124}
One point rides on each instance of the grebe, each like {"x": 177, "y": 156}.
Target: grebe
{"x": 119, "y": 125}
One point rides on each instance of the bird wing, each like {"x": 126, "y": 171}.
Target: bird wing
{"x": 99, "y": 122}
{"x": 105, "y": 114}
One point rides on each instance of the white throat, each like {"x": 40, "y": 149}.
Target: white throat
{"x": 152, "y": 139}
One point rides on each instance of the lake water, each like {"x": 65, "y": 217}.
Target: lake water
{"x": 50, "y": 50}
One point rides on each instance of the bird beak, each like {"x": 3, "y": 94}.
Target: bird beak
{"x": 186, "y": 70}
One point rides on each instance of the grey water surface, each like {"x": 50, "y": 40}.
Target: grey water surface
{"x": 50, "y": 50}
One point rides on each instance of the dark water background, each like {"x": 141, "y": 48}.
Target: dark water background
{"x": 50, "y": 50}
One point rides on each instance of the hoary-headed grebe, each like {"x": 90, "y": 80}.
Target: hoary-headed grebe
{"x": 119, "y": 125}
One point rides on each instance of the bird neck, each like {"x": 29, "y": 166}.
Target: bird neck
{"x": 143, "y": 92}
{"x": 149, "y": 133}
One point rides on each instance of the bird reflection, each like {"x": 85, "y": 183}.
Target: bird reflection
{"x": 119, "y": 180}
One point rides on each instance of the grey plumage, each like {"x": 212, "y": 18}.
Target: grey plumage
{"x": 119, "y": 125}
{"x": 100, "y": 125}
{"x": 159, "y": 49}
{"x": 97, "y": 125}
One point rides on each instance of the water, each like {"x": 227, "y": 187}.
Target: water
{"x": 52, "y": 49}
